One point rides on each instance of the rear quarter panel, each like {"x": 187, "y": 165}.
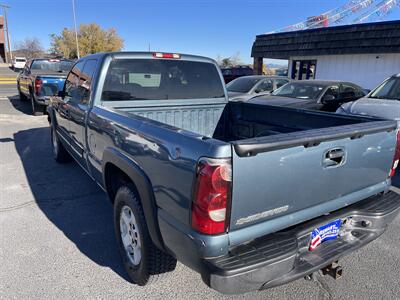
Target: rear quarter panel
{"x": 167, "y": 155}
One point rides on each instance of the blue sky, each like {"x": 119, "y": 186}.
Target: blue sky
{"x": 204, "y": 27}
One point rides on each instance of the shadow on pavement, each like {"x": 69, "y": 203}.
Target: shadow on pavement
{"x": 69, "y": 199}
{"x": 22, "y": 106}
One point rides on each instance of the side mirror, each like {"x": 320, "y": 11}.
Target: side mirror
{"x": 257, "y": 91}
{"x": 328, "y": 98}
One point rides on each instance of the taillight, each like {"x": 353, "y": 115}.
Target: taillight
{"x": 38, "y": 86}
{"x": 396, "y": 158}
{"x": 166, "y": 55}
{"x": 212, "y": 196}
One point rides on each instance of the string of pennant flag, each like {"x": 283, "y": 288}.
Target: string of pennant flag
{"x": 355, "y": 11}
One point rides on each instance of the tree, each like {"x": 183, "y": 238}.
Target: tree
{"x": 91, "y": 38}
{"x": 29, "y": 48}
{"x": 229, "y": 62}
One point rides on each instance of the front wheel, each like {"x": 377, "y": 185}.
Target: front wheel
{"x": 142, "y": 260}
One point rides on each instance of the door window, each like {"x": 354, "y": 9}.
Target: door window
{"x": 348, "y": 92}
{"x": 77, "y": 85}
{"x": 85, "y": 80}
{"x": 265, "y": 86}
{"x": 72, "y": 83}
{"x": 332, "y": 91}
{"x": 280, "y": 82}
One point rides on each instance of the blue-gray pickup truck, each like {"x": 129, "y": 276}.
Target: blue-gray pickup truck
{"x": 249, "y": 196}
{"x": 40, "y": 79}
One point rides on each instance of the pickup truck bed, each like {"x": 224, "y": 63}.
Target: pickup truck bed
{"x": 261, "y": 137}
{"x": 231, "y": 189}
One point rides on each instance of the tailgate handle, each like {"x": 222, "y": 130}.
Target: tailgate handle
{"x": 334, "y": 157}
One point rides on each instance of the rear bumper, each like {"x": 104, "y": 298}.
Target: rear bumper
{"x": 282, "y": 257}
{"x": 42, "y": 100}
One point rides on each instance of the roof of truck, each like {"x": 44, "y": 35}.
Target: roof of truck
{"x": 142, "y": 54}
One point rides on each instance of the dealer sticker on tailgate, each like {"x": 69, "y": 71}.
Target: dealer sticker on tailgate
{"x": 324, "y": 233}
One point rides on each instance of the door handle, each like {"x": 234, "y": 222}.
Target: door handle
{"x": 334, "y": 157}
{"x": 335, "y": 153}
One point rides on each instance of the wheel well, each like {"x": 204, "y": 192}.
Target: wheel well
{"x": 114, "y": 178}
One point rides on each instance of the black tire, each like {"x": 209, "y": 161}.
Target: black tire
{"x": 22, "y": 97}
{"x": 37, "y": 109}
{"x": 154, "y": 263}
{"x": 60, "y": 154}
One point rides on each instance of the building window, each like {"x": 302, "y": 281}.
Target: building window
{"x": 303, "y": 69}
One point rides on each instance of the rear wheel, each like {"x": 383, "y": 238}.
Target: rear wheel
{"x": 60, "y": 154}
{"x": 142, "y": 260}
{"x": 37, "y": 109}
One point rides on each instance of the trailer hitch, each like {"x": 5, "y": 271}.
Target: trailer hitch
{"x": 334, "y": 270}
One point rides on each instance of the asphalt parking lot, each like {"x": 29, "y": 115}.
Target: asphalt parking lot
{"x": 57, "y": 241}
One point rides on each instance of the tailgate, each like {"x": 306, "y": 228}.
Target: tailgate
{"x": 52, "y": 84}
{"x": 285, "y": 179}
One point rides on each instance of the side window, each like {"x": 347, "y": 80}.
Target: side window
{"x": 85, "y": 81}
{"x": 333, "y": 91}
{"x": 72, "y": 83}
{"x": 280, "y": 82}
{"x": 348, "y": 92}
{"x": 265, "y": 86}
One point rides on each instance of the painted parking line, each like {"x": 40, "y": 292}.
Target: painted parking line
{"x": 8, "y": 80}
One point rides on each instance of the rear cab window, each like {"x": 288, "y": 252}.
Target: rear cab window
{"x": 161, "y": 79}
{"x": 51, "y": 65}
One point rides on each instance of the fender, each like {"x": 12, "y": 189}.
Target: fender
{"x": 144, "y": 189}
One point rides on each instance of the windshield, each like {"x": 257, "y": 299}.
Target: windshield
{"x": 390, "y": 90}
{"x": 52, "y": 65}
{"x": 300, "y": 90}
{"x": 161, "y": 79}
{"x": 242, "y": 84}
{"x": 20, "y": 60}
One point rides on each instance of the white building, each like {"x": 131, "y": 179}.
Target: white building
{"x": 365, "y": 54}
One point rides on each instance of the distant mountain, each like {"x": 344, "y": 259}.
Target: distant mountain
{"x": 276, "y": 66}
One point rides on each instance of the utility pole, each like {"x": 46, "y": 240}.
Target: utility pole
{"x": 76, "y": 31}
{"x": 5, "y": 7}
